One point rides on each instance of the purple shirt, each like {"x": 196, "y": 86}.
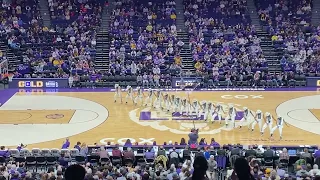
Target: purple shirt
{"x": 317, "y": 154}
{"x": 66, "y": 145}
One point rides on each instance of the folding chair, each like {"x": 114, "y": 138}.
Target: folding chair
{"x": 41, "y": 162}
{"x": 51, "y": 160}
{"x": 80, "y": 159}
{"x": 31, "y": 162}
{"x": 14, "y": 152}
{"x": 36, "y": 151}
{"x": 45, "y": 152}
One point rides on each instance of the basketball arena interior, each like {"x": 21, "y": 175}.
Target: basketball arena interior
{"x": 159, "y": 89}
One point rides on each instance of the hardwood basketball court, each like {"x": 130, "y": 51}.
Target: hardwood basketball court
{"x": 45, "y": 119}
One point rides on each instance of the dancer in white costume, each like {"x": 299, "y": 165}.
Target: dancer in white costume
{"x": 166, "y": 102}
{"x": 172, "y": 102}
{"x": 148, "y": 99}
{"x": 157, "y": 101}
{"x": 177, "y": 104}
{"x": 195, "y": 107}
{"x": 139, "y": 96}
{"x": 203, "y": 111}
{"x": 247, "y": 114}
{"x": 280, "y": 121}
{"x": 258, "y": 120}
{"x": 268, "y": 123}
{"x": 117, "y": 93}
{"x": 232, "y": 112}
{"x": 210, "y": 111}
{"x": 183, "y": 106}
{"x": 218, "y": 110}
{"x": 129, "y": 94}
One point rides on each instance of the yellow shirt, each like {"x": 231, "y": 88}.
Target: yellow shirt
{"x": 177, "y": 60}
{"x": 149, "y": 28}
{"x": 173, "y": 16}
{"x": 274, "y": 38}
{"x": 45, "y": 29}
{"x": 133, "y": 46}
{"x": 197, "y": 65}
{"x": 55, "y": 62}
{"x": 154, "y": 16}
{"x": 1, "y": 54}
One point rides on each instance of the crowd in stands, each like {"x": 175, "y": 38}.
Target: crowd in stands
{"x": 289, "y": 25}
{"x": 167, "y": 162}
{"x": 67, "y": 47}
{"x": 144, "y": 40}
{"x": 222, "y": 40}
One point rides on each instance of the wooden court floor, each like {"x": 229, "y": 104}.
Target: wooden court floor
{"x": 123, "y": 119}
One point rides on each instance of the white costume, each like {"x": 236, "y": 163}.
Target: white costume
{"x": 246, "y": 116}
{"x": 172, "y": 102}
{"x": 268, "y": 123}
{"x": 117, "y": 93}
{"x": 204, "y": 112}
{"x": 129, "y": 94}
{"x": 148, "y": 99}
{"x": 279, "y": 126}
{"x": 231, "y": 115}
{"x": 183, "y": 106}
{"x": 166, "y": 102}
{"x": 139, "y": 95}
{"x": 195, "y": 107}
{"x": 258, "y": 120}
{"x": 177, "y": 104}
{"x": 217, "y": 112}
{"x": 157, "y": 101}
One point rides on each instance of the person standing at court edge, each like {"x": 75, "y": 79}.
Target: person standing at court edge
{"x": 193, "y": 137}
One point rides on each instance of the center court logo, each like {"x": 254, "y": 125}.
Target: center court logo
{"x": 176, "y": 123}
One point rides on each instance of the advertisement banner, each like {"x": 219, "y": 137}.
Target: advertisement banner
{"x": 39, "y": 83}
{"x": 313, "y": 81}
{"x": 188, "y": 82}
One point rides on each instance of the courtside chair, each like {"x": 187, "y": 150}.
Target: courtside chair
{"x": 51, "y": 161}
{"x": 45, "y": 152}
{"x": 2, "y": 159}
{"x": 55, "y": 152}
{"x": 80, "y": 159}
{"x": 36, "y": 151}
{"x": 41, "y": 162}
{"x": 31, "y": 162}
{"x": 14, "y": 152}
{"x": 74, "y": 153}
{"x": 64, "y": 151}
{"x": 25, "y": 152}
{"x": 104, "y": 161}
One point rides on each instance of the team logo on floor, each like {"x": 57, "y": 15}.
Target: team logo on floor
{"x": 54, "y": 116}
{"x": 178, "y": 123}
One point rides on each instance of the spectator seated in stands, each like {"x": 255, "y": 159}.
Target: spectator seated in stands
{"x": 223, "y": 44}
{"x": 144, "y": 40}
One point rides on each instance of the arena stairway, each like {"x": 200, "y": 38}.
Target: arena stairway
{"x": 103, "y": 41}
{"x": 180, "y": 15}
{"x": 185, "y": 54}
{"x": 272, "y": 55}
{"x": 45, "y": 14}
{"x": 13, "y": 60}
{"x": 315, "y": 19}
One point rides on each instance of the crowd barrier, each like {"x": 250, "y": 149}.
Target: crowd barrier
{"x": 39, "y": 83}
{"x": 177, "y": 82}
{"x": 187, "y": 82}
{"x": 313, "y": 81}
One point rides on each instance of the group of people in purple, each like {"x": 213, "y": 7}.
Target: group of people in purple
{"x": 144, "y": 43}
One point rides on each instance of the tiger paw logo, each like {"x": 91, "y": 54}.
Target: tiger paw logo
{"x": 181, "y": 123}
